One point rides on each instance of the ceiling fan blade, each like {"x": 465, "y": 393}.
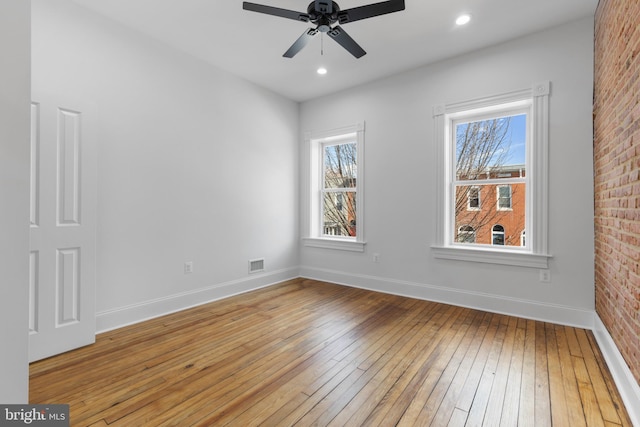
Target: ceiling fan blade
{"x": 324, "y": 7}
{"x": 275, "y": 11}
{"x": 300, "y": 43}
{"x": 370, "y": 10}
{"x": 345, "y": 40}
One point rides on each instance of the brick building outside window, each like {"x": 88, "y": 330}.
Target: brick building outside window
{"x": 492, "y": 214}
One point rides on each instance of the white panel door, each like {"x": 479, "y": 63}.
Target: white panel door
{"x": 63, "y": 228}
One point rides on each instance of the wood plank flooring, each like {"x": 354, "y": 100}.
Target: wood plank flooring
{"x": 309, "y": 353}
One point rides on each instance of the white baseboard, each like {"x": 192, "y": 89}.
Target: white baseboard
{"x": 135, "y": 313}
{"x": 624, "y": 379}
{"x": 527, "y": 309}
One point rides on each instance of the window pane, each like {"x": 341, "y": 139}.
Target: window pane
{"x": 340, "y": 166}
{"x": 490, "y": 149}
{"x": 339, "y": 214}
{"x": 483, "y": 219}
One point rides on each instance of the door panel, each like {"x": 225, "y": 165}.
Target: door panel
{"x": 63, "y": 213}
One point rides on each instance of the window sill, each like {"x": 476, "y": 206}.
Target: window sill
{"x": 339, "y": 244}
{"x": 492, "y": 256}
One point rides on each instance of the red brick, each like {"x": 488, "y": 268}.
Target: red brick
{"x": 616, "y": 111}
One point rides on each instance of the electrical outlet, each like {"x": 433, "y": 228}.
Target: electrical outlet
{"x": 188, "y": 267}
{"x": 545, "y": 276}
{"x": 376, "y": 258}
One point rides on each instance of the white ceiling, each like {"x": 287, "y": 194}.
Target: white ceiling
{"x": 251, "y": 45}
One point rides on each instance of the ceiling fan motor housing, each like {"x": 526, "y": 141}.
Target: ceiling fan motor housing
{"x": 323, "y": 11}
{"x": 324, "y": 7}
{"x": 324, "y": 14}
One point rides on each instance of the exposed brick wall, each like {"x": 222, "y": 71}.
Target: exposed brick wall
{"x": 617, "y": 169}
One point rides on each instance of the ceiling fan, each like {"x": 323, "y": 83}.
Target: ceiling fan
{"x": 325, "y": 13}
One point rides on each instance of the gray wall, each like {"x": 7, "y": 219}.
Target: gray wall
{"x": 400, "y": 177}
{"x": 194, "y": 164}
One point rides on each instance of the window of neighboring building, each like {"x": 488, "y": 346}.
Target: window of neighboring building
{"x": 497, "y": 235}
{"x": 466, "y": 234}
{"x": 473, "y": 198}
{"x": 504, "y": 198}
{"x": 334, "y": 191}
{"x": 495, "y": 145}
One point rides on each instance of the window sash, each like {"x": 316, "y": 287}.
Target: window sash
{"x": 337, "y": 224}
{"x": 523, "y": 107}
{"x": 342, "y": 222}
{"x": 349, "y": 180}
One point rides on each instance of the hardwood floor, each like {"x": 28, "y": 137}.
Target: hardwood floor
{"x": 311, "y": 353}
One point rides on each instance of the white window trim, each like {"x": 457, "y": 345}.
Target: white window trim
{"x": 311, "y": 222}
{"x": 535, "y": 254}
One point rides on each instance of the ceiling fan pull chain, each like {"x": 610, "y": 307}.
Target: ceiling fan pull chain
{"x": 321, "y": 44}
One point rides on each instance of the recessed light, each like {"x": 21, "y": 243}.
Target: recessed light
{"x": 322, "y": 71}
{"x": 463, "y": 19}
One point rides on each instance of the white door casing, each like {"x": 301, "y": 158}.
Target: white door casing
{"x": 63, "y": 228}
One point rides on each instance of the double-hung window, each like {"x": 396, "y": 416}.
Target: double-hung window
{"x": 334, "y": 190}
{"x": 498, "y": 147}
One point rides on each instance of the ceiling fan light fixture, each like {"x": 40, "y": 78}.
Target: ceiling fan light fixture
{"x": 322, "y": 71}
{"x": 463, "y": 19}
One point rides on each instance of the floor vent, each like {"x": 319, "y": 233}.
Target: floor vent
{"x": 256, "y": 265}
